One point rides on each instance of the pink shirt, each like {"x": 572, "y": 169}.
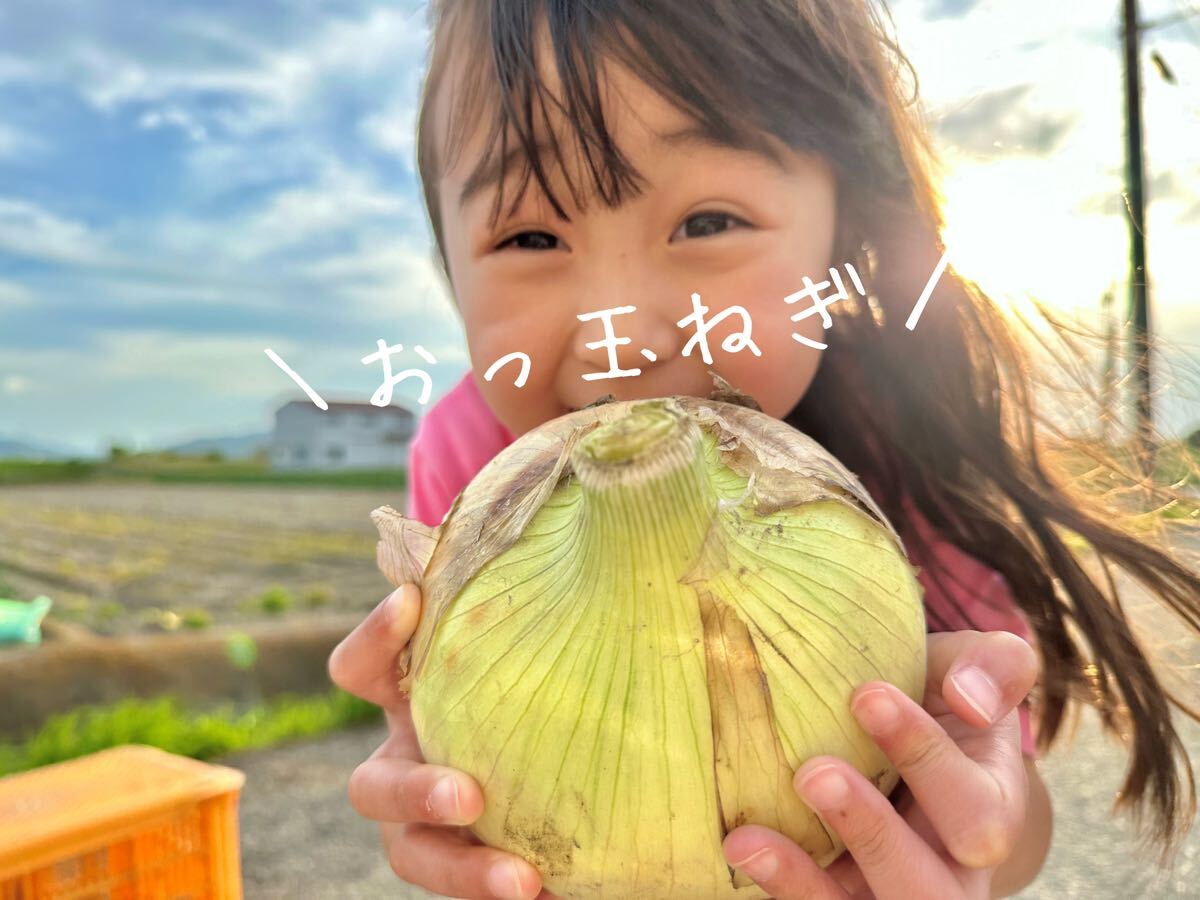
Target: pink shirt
{"x": 460, "y": 434}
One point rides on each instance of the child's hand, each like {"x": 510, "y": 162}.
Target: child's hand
{"x": 968, "y": 776}
{"x": 966, "y": 773}
{"x": 399, "y": 790}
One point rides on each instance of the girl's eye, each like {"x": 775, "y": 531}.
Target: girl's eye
{"x": 530, "y": 240}
{"x": 707, "y": 223}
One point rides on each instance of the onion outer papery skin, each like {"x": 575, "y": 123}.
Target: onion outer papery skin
{"x": 639, "y": 620}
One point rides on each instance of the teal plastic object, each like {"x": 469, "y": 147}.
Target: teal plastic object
{"x": 22, "y": 622}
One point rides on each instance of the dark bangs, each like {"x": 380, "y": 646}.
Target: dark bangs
{"x": 742, "y": 71}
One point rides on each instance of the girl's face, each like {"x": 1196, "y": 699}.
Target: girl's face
{"x": 728, "y": 224}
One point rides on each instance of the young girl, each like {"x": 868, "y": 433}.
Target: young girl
{"x": 778, "y": 129}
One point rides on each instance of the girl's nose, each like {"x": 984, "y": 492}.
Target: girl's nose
{"x": 626, "y": 312}
{"x": 638, "y": 334}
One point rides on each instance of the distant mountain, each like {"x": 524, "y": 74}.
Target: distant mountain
{"x": 12, "y": 448}
{"x": 240, "y": 446}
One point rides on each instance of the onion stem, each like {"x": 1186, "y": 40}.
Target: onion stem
{"x": 647, "y": 475}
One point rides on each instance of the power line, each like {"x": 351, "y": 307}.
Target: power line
{"x": 1185, "y": 13}
{"x": 1182, "y": 18}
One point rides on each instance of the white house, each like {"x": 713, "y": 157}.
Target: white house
{"x": 345, "y": 436}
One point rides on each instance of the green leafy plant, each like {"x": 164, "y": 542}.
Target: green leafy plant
{"x": 166, "y": 723}
{"x": 196, "y": 618}
{"x": 241, "y": 649}
{"x": 275, "y": 599}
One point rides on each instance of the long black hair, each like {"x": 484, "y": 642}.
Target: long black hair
{"x": 944, "y": 414}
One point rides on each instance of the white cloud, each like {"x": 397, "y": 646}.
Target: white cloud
{"x": 14, "y": 143}
{"x": 393, "y": 131}
{"x": 958, "y": 57}
{"x": 180, "y": 259}
{"x": 222, "y": 167}
{"x": 143, "y": 386}
{"x": 173, "y": 116}
{"x": 1038, "y": 226}
{"x": 14, "y": 384}
{"x": 1035, "y": 225}
{"x": 387, "y": 277}
{"x": 229, "y": 365}
{"x": 342, "y": 199}
{"x": 28, "y": 230}
{"x": 382, "y": 258}
{"x": 272, "y": 85}
{"x": 13, "y": 295}
{"x": 264, "y": 102}
{"x": 14, "y": 69}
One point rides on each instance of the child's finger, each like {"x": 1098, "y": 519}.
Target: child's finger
{"x": 779, "y": 866}
{"x": 895, "y": 861}
{"x": 389, "y": 789}
{"x": 447, "y": 862}
{"x": 978, "y": 676}
{"x": 364, "y": 663}
{"x": 977, "y": 808}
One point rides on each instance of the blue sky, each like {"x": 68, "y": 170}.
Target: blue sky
{"x": 179, "y": 190}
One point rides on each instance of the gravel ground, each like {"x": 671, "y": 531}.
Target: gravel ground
{"x": 301, "y": 837}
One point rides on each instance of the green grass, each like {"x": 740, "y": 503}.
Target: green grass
{"x": 166, "y": 468}
{"x": 21, "y": 471}
{"x": 252, "y": 473}
{"x": 163, "y": 722}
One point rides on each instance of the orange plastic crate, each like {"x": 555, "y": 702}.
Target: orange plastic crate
{"x": 130, "y": 823}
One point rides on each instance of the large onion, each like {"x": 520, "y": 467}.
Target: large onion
{"x": 639, "y": 620}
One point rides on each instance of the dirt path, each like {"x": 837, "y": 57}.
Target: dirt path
{"x": 301, "y": 838}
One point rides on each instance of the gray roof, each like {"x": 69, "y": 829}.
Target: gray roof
{"x": 341, "y": 406}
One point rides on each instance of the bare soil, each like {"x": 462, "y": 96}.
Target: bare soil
{"x": 128, "y": 558}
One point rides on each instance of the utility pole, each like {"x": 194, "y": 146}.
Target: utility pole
{"x": 1135, "y": 197}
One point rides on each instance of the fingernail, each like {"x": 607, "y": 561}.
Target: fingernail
{"x": 876, "y": 711}
{"x": 760, "y": 866}
{"x": 824, "y": 787}
{"x": 395, "y": 603}
{"x": 444, "y": 799}
{"x": 980, "y": 691}
{"x": 387, "y": 604}
{"x": 504, "y": 880}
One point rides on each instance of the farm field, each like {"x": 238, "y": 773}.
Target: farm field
{"x": 121, "y": 558}
{"x": 130, "y": 557}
